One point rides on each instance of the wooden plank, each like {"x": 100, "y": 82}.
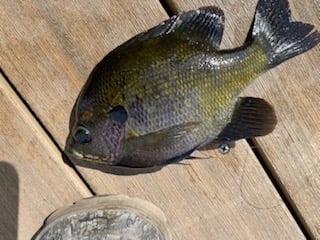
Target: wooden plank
{"x": 34, "y": 181}
{"x": 292, "y": 151}
{"x": 294, "y": 148}
{"x": 225, "y": 196}
{"x": 59, "y": 43}
{"x": 228, "y": 197}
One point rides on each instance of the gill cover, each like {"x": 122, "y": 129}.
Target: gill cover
{"x": 114, "y": 128}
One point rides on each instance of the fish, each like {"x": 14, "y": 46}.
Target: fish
{"x": 168, "y": 91}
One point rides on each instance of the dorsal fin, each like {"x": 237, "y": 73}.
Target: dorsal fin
{"x": 205, "y": 24}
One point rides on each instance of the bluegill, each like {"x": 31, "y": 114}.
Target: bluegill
{"x": 170, "y": 90}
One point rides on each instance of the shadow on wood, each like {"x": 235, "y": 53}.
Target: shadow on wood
{"x": 126, "y": 171}
{"x": 9, "y": 190}
{"x": 117, "y": 170}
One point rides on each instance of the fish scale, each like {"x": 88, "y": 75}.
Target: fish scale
{"x": 164, "y": 93}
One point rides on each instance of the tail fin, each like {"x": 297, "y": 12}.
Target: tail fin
{"x": 281, "y": 37}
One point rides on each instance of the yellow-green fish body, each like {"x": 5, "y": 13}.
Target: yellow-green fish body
{"x": 167, "y": 91}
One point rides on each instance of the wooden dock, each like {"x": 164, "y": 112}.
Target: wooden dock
{"x": 268, "y": 189}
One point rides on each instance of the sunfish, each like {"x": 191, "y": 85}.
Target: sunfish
{"x": 170, "y": 90}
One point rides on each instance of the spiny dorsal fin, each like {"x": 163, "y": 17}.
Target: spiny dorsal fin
{"x": 205, "y": 24}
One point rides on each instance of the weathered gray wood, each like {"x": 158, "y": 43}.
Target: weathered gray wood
{"x": 292, "y": 151}
{"x": 33, "y": 179}
{"x": 49, "y": 50}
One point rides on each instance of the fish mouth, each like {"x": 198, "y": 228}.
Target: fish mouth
{"x": 74, "y": 154}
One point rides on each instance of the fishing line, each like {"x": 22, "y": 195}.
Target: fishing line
{"x": 245, "y": 199}
{"x": 281, "y": 190}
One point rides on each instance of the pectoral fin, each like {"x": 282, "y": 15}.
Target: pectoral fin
{"x": 160, "y": 147}
{"x": 252, "y": 117}
{"x": 164, "y": 137}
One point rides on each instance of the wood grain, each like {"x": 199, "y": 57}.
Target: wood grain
{"x": 49, "y": 50}
{"x": 292, "y": 151}
{"x": 228, "y": 197}
{"x": 34, "y": 180}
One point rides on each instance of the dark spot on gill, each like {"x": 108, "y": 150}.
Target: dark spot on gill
{"x": 118, "y": 114}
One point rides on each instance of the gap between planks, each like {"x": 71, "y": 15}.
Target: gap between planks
{"x": 171, "y": 10}
{"x": 280, "y": 188}
{"x": 37, "y": 119}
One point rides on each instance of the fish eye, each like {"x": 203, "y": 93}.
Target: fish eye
{"x": 82, "y": 135}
